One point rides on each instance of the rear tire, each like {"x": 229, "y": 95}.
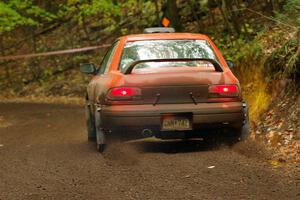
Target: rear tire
{"x": 215, "y": 138}
{"x": 100, "y": 135}
{"x": 238, "y": 135}
{"x": 243, "y": 133}
{"x": 90, "y": 123}
{"x": 228, "y": 136}
{"x": 101, "y": 147}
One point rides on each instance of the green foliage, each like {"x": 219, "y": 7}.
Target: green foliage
{"x": 70, "y": 24}
{"x": 113, "y": 15}
{"x": 16, "y": 13}
{"x": 291, "y": 12}
{"x": 285, "y": 60}
{"x": 85, "y": 8}
{"x": 238, "y": 49}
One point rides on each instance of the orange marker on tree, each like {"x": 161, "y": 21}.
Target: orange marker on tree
{"x": 165, "y": 22}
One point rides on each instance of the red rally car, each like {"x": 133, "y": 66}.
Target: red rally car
{"x": 163, "y": 84}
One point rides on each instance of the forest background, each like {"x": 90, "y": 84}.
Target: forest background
{"x": 261, "y": 36}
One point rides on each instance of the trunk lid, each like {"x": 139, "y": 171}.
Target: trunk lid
{"x": 188, "y": 87}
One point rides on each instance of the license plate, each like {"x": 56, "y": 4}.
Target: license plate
{"x": 179, "y": 123}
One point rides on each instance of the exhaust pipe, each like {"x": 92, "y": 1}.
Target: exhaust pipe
{"x": 147, "y": 133}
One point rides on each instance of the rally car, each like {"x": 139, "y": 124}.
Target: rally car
{"x": 166, "y": 85}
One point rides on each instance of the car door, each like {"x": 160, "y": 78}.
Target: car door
{"x": 99, "y": 82}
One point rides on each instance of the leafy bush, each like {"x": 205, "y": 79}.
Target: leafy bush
{"x": 284, "y": 61}
{"x": 291, "y": 12}
{"x": 16, "y": 13}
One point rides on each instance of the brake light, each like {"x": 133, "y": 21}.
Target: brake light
{"x": 123, "y": 93}
{"x": 223, "y": 90}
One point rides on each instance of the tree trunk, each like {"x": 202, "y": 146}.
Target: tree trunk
{"x": 174, "y": 15}
{"x": 194, "y": 11}
{"x": 275, "y": 5}
{"x": 85, "y": 30}
{"x": 224, "y": 14}
{"x": 34, "y": 63}
{"x": 233, "y": 16}
{"x": 7, "y": 71}
{"x": 242, "y": 21}
{"x": 157, "y": 13}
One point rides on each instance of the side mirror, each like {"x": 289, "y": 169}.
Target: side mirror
{"x": 230, "y": 63}
{"x": 88, "y": 68}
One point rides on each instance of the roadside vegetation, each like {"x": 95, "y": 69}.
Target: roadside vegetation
{"x": 262, "y": 38}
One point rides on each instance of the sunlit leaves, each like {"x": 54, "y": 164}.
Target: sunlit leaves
{"x": 16, "y": 13}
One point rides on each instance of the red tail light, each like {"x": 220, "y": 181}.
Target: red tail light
{"x": 223, "y": 90}
{"x": 123, "y": 93}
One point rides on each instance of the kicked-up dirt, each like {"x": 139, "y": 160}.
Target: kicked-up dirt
{"x": 44, "y": 154}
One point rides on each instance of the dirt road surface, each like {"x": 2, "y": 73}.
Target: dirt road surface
{"x": 44, "y": 154}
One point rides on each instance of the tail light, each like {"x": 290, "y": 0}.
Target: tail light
{"x": 123, "y": 93}
{"x": 223, "y": 91}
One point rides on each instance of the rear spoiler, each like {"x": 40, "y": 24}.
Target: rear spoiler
{"x": 215, "y": 63}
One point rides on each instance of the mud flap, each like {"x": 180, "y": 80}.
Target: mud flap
{"x": 245, "y": 129}
{"x": 90, "y": 123}
{"x": 100, "y": 135}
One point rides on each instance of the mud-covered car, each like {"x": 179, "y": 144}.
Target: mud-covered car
{"x": 167, "y": 85}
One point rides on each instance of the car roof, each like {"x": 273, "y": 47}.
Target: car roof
{"x": 164, "y": 36}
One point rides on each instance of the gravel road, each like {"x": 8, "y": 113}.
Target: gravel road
{"x": 44, "y": 154}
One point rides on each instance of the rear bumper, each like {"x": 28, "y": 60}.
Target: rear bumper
{"x": 139, "y": 117}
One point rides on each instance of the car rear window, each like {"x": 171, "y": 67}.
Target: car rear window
{"x": 167, "y": 49}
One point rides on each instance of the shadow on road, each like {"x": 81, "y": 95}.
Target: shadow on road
{"x": 174, "y": 146}
{"x": 248, "y": 149}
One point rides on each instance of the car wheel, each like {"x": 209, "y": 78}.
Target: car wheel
{"x": 238, "y": 135}
{"x": 228, "y": 136}
{"x": 242, "y": 133}
{"x": 100, "y": 135}
{"x": 215, "y": 138}
{"x": 90, "y": 123}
